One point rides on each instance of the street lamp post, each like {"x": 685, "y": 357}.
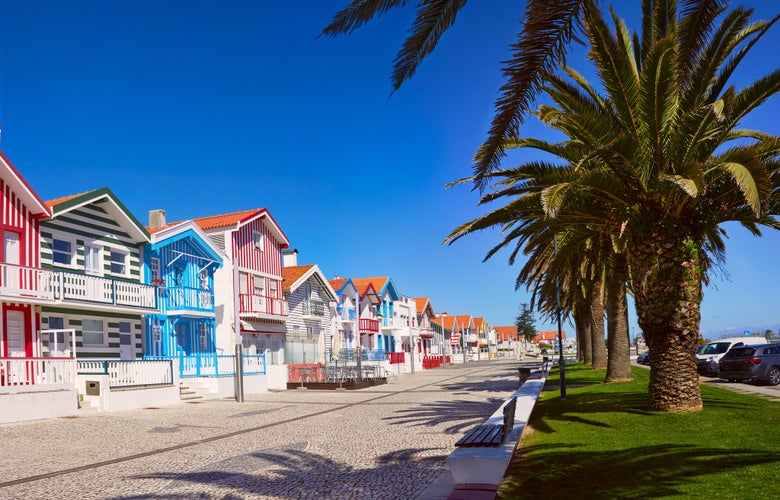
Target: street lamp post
{"x": 443, "y": 356}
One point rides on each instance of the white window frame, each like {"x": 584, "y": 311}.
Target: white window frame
{"x": 84, "y": 333}
{"x": 97, "y": 268}
{"x": 125, "y": 262}
{"x": 154, "y": 267}
{"x": 258, "y": 241}
{"x": 72, "y": 256}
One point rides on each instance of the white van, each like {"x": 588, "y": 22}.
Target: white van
{"x": 712, "y": 352}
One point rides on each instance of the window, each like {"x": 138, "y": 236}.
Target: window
{"x": 203, "y": 337}
{"x": 154, "y": 268}
{"x": 257, "y": 240}
{"x": 259, "y": 286}
{"x": 273, "y": 288}
{"x": 125, "y": 337}
{"x": 92, "y": 264}
{"x": 57, "y": 323}
{"x": 204, "y": 278}
{"x": 156, "y": 333}
{"x": 118, "y": 262}
{"x": 92, "y": 332}
{"x": 62, "y": 252}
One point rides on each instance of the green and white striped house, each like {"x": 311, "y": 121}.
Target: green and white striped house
{"x": 93, "y": 244}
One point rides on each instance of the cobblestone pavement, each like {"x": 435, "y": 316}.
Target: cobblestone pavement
{"x": 389, "y": 441}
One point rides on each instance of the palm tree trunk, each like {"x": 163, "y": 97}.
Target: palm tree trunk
{"x": 599, "y": 347}
{"x": 666, "y": 276}
{"x": 582, "y": 324}
{"x": 618, "y": 342}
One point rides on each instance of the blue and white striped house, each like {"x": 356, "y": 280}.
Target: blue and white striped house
{"x": 181, "y": 261}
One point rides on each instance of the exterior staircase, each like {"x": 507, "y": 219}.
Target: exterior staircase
{"x": 188, "y": 394}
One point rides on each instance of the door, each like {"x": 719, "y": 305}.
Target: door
{"x": 126, "y": 344}
{"x": 11, "y": 255}
{"x": 18, "y": 342}
{"x": 182, "y": 338}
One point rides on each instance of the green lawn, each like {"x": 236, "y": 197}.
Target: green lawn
{"x": 603, "y": 443}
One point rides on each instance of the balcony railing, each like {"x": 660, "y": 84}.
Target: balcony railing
{"x": 251, "y": 304}
{"x": 26, "y": 282}
{"x": 215, "y": 365}
{"x": 188, "y": 298}
{"x": 84, "y": 288}
{"x": 130, "y": 373}
{"x": 394, "y": 323}
{"x": 366, "y": 325}
{"x": 426, "y": 332}
{"x": 314, "y": 308}
{"x": 36, "y": 374}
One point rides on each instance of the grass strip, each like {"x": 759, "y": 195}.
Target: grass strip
{"x": 602, "y": 442}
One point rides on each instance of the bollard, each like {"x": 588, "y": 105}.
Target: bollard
{"x": 523, "y": 373}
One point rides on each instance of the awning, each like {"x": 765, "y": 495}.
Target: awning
{"x": 261, "y": 327}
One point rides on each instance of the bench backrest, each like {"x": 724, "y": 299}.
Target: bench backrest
{"x": 509, "y": 416}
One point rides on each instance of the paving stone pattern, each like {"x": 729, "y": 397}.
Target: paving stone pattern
{"x": 388, "y": 441}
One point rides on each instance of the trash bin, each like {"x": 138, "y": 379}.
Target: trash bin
{"x": 523, "y": 373}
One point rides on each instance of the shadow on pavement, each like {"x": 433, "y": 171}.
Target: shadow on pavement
{"x": 292, "y": 472}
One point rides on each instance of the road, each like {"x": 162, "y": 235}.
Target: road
{"x": 387, "y": 442}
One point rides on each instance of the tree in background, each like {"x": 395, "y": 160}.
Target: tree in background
{"x": 525, "y": 323}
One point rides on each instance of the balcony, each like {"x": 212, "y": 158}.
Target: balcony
{"x": 99, "y": 291}
{"x": 26, "y": 284}
{"x": 260, "y": 306}
{"x": 346, "y": 314}
{"x": 394, "y": 324}
{"x": 183, "y": 300}
{"x": 313, "y": 309}
{"x": 369, "y": 326}
{"x": 36, "y": 374}
{"x": 426, "y": 332}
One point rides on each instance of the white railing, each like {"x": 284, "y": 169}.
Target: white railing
{"x": 132, "y": 373}
{"x": 394, "y": 323}
{"x": 82, "y": 287}
{"x": 29, "y": 282}
{"x": 36, "y": 374}
{"x": 259, "y": 304}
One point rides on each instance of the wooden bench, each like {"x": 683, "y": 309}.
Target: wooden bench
{"x": 491, "y": 434}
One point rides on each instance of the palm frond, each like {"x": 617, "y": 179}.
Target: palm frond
{"x": 358, "y": 13}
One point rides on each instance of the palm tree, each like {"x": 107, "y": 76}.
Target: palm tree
{"x": 659, "y": 163}
{"x": 670, "y": 164}
{"x": 541, "y": 46}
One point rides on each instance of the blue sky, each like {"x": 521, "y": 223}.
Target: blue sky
{"x": 207, "y": 107}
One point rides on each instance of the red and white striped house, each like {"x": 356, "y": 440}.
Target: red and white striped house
{"x": 248, "y": 291}
{"x": 31, "y": 385}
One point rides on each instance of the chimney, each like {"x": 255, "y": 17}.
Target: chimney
{"x": 290, "y": 258}
{"x": 156, "y": 218}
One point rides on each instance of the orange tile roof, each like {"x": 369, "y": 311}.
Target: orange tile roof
{"x": 478, "y": 323}
{"x": 449, "y": 321}
{"x": 421, "y": 303}
{"x": 464, "y": 319}
{"x": 362, "y": 283}
{"x": 292, "y": 274}
{"x": 506, "y": 332}
{"x": 158, "y": 229}
{"x": 548, "y": 335}
{"x": 224, "y": 220}
{"x": 62, "y": 199}
{"x": 337, "y": 283}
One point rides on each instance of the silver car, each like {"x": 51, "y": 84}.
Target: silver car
{"x": 760, "y": 363}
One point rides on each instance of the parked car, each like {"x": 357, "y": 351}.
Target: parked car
{"x": 712, "y": 352}
{"x": 760, "y": 363}
{"x": 644, "y": 358}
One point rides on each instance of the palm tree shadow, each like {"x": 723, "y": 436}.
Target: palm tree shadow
{"x": 459, "y": 415}
{"x": 292, "y": 472}
{"x": 643, "y": 472}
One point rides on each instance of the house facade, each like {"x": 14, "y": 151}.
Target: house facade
{"x": 393, "y": 320}
{"x": 35, "y": 382}
{"x": 93, "y": 246}
{"x": 251, "y": 311}
{"x": 311, "y": 322}
{"x": 425, "y": 313}
{"x": 181, "y": 261}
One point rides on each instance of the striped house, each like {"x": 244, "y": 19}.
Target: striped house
{"x": 311, "y": 322}
{"x": 390, "y": 323}
{"x": 24, "y": 285}
{"x": 250, "y": 308}
{"x": 35, "y": 382}
{"x": 181, "y": 261}
{"x": 92, "y": 243}
{"x": 428, "y": 335}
